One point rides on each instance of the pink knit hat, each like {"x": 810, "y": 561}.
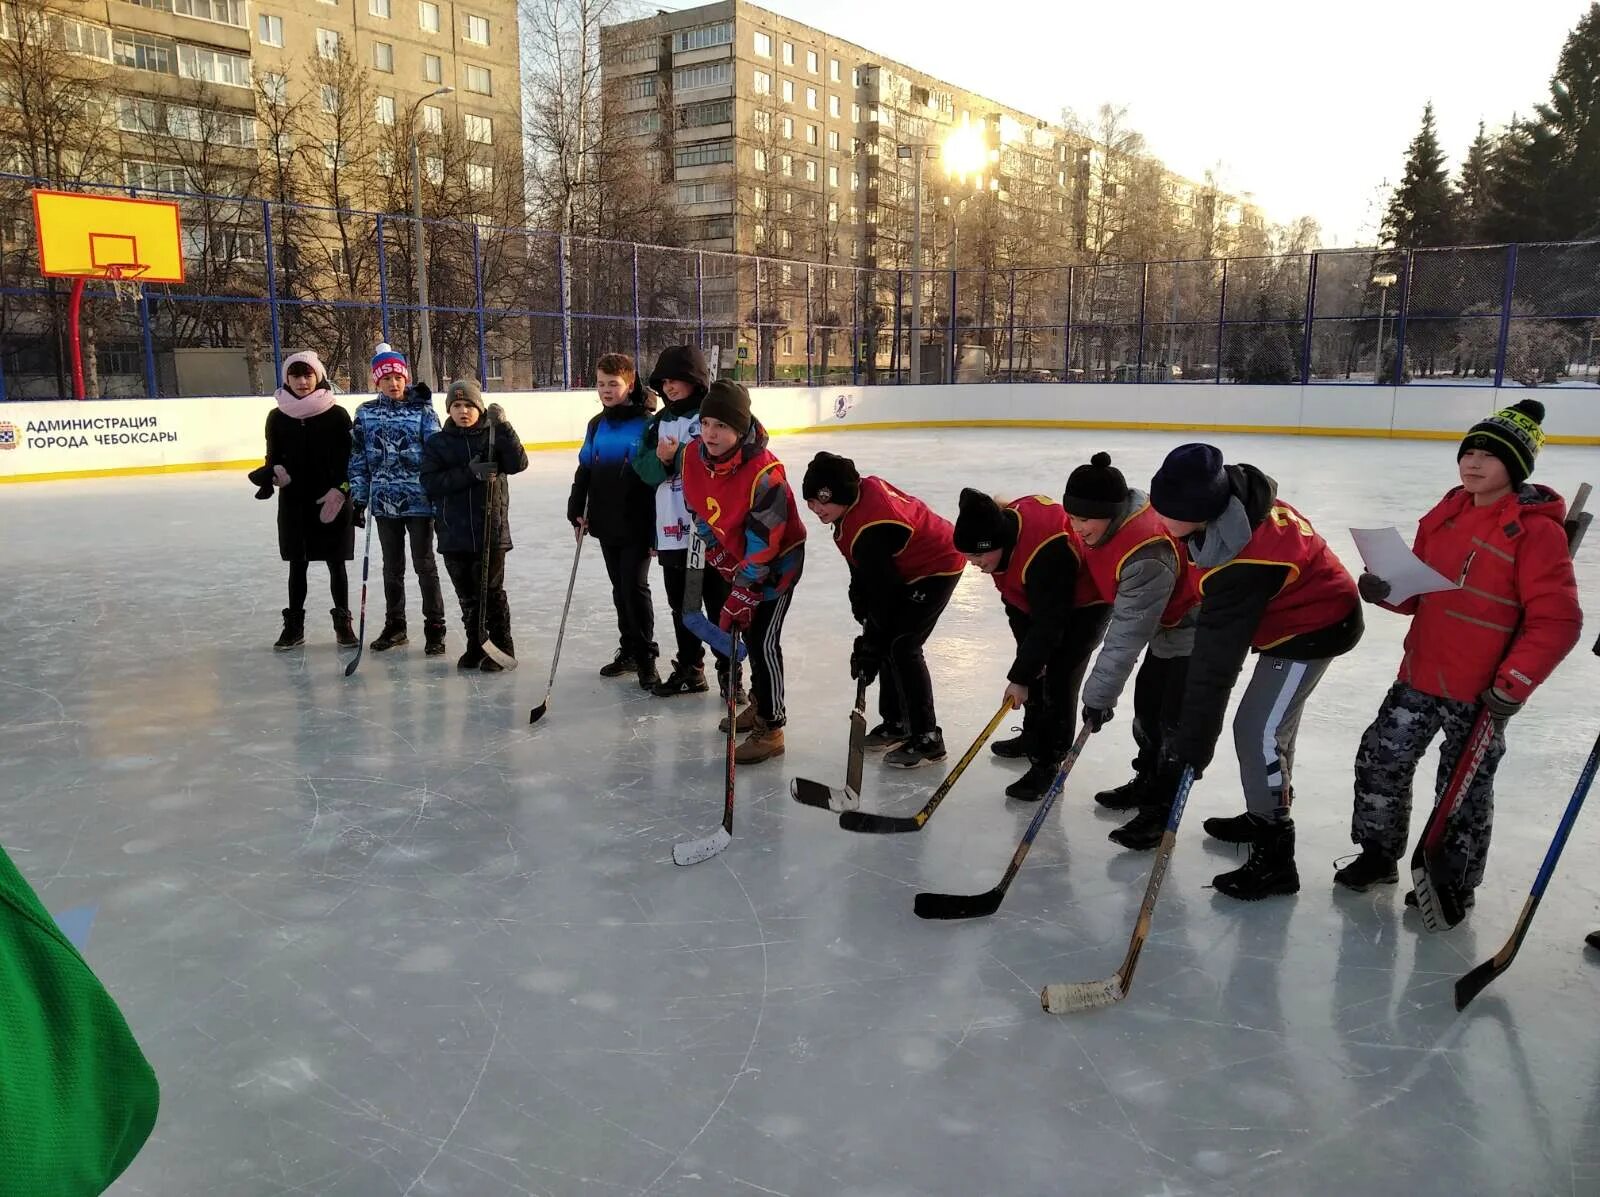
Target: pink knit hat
{"x": 306, "y": 357}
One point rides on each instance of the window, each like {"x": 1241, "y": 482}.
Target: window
{"x": 383, "y": 57}
{"x": 153, "y": 176}
{"x": 788, "y": 201}
{"x": 640, "y": 52}
{"x": 761, "y": 82}
{"x": 480, "y": 178}
{"x": 432, "y": 118}
{"x": 811, "y": 61}
{"x": 639, "y": 88}
{"x": 833, "y": 69}
{"x": 760, "y": 234}
{"x": 811, "y": 171}
{"x": 760, "y": 120}
{"x": 703, "y": 37}
{"x": 786, "y": 165}
{"x": 428, "y": 16}
{"x": 811, "y": 135}
{"x": 712, "y": 74}
{"x": 478, "y": 80}
{"x": 334, "y": 155}
{"x": 705, "y": 153}
{"x": 327, "y": 44}
{"x": 143, "y": 52}
{"x": 480, "y": 129}
{"x": 833, "y": 106}
{"x": 222, "y": 12}
{"x": 763, "y": 45}
{"x": 833, "y": 211}
{"x": 758, "y": 199}
{"x": 833, "y": 176}
{"x": 433, "y": 170}
{"x": 855, "y": 181}
{"x": 788, "y": 91}
{"x": 811, "y": 98}
{"x": 710, "y": 191}
{"x": 478, "y": 30}
{"x": 330, "y": 98}
{"x": 786, "y": 126}
{"x": 714, "y": 112}
{"x": 716, "y": 228}
{"x": 269, "y": 29}
{"x": 379, "y": 8}
{"x": 497, "y": 369}
{"x": 385, "y": 112}
{"x": 213, "y": 66}
{"x": 855, "y": 78}
{"x": 275, "y": 87}
{"x": 855, "y": 113}
{"x": 761, "y": 160}
{"x": 432, "y": 68}
{"x": 788, "y": 343}
{"x": 833, "y": 139}
{"x": 643, "y": 122}
{"x": 179, "y": 120}
{"x": 785, "y": 241}
{"x": 788, "y": 53}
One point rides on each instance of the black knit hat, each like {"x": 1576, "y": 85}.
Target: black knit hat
{"x": 831, "y": 479}
{"x": 1513, "y": 434}
{"x": 1191, "y": 484}
{"x": 1095, "y": 491}
{"x": 729, "y": 402}
{"x": 980, "y": 525}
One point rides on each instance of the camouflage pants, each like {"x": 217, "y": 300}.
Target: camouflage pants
{"x": 1390, "y": 749}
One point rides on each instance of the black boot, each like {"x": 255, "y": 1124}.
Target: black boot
{"x": 649, "y": 678}
{"x": 1035, "y": 783}
{"x": 433, "y": 633}
{"x": 343, "y": 633}
{"x": 620, "y": 664}
{"x": 1593, "y": 939}
{"x": 1144, "y": 830}
{"x": 681, "y": 681}
{"x": 1013, "y": 749}
{"x": 392, "y": 636}
{"x": 1270, "y": 869}
{"x": 926, "y": 749}
{"x": 1469, "y": 899}
{"x": 1236, "y": 829}
{"x": 1370, "y": 868}
{"x": 501, "y": 640}
{"x": 884, "y": 737}
{"x": 740, "y": 696}
{"x": 294, "y": 630}
{"x": 471, "y": 659}
{"x": 1128, "y": 795}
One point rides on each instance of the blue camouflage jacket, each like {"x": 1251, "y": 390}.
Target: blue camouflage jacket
{"x": 386, "y": 453}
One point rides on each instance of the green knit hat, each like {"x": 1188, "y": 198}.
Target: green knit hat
{"x": 1513, "y": 434}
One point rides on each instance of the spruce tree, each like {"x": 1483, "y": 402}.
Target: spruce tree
{"x": 1422, "y": 210}
{"x": 1472, "y": 188}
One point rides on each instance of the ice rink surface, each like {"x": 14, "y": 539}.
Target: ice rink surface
{"x": 379, "y": 937}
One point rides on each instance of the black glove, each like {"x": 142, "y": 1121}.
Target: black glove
{"x": 261, "y": 479}
{"x": 358, "y": 515}
{"x": 865, "y": 660}
{"x": 1501, "y": 705}
{"x": 1094, "y": 718}
{"x": 1373, "y": 589}
{"x": 496, "y": 413}
{"x": 484, "y": 470}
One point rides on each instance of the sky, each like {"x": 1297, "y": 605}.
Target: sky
{"x": 1306, "y": 107}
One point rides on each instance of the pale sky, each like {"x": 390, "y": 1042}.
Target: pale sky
{"x": 1307, "y": 106}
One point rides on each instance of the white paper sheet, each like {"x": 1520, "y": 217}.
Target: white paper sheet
{"x": 1384, "y": 553}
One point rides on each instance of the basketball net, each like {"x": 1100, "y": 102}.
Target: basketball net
{"x": 124, "y": 280}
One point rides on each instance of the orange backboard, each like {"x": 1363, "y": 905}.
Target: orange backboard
{"x": 94, "y": 235}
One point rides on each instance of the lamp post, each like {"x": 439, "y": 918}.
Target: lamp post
{"x": 425, "y": 352}
{"x": 917, "y": 153}
{"x": 1383, "y": 281}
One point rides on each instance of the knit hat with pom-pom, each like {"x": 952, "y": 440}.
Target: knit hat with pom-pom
{"x": 389, "y": 360}
{"x": 1095, "y": 491}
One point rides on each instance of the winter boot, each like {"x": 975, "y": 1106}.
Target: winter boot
{"x": 1013, "y": 749}
{"x": 1144, "y": 830}
{"x": 926, "y": 749}
{"x": 1593, "y": 939}
{"x": 503, "y": 642}
{"x": 746, "y": 721}
{"x": 1128, "y": 795}
{"x": 392, "y": 636}
{"x": 294, "y": 630}
{"x": 681, "y": 681}
{"x": 762, "y": 744}
{"x": 740, "y": 695}
{"x": 433, "y": 632}
{"x": 473, "y": 658}
{"x": 1270, "y": 868}
{"x": 1469, "y": 899}
{"x": 649, "y": 679}
{"x": 1035, "y": 783}
{"x": 620, "y": 664}
{"x": 884, "y": 737}
{"x": 1370, "y": 868}
{"x": 344, "y": 635}
{"x": 1236, "y": 829}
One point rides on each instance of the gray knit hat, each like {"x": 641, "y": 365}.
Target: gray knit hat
{"x": 464, "y": 388}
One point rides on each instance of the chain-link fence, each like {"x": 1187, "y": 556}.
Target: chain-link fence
{"x": 526, "y": 309}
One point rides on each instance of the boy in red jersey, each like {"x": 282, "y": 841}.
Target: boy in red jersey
{"x": 1030, "y": 552}
{"x": 744, "y": 511}
{"x": 1135, "y": 565}
{"x": 1269, "y": 583}
{"x": 1488, "y": 643}
{"x": 903, "y": 570}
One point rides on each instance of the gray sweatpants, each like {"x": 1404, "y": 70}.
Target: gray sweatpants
{"x": 1264, "y": 730}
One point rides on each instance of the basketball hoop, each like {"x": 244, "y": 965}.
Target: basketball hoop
{"x": 124, "y": 279}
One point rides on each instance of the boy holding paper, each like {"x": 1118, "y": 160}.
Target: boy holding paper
{"x": 1490, "y": 640}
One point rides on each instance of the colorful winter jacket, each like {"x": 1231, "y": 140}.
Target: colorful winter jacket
{"x": 1516, "y": 614}
{"x": 745, "y": 504}
{"x": 386, "y": 444}
{"x": 619, "y": 505}
{"x": 680, "y": 420}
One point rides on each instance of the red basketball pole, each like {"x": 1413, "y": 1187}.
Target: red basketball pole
{"x": 74, "y": 307}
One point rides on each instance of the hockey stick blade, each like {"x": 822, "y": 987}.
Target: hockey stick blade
{"x": 361, "y": 633}
{"x": 1476, "y": 981}
{"x": 813, "y": 793}
{"x": 710, "y": 634}
{"x": 539, "y": 711}
{"x": 958, "y": 906}
{"x": 1069, "y": 996}
{"x": 875, "y": 824}
{"x": 693, "y": 852}
{"x": 355, "y": 661}
{"x": 489, "y": 649}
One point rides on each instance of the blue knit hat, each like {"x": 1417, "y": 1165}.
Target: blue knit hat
{"x": 389, "y": 360}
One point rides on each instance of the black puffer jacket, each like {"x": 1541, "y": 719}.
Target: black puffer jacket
{"x": 619, "y": 504}
{"x": 315, "y": 453}
{"x": 458, "y": 497}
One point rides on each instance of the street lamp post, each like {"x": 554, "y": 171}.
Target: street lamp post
{"x": 1383, "y": 281}
{"x": 425, "y": 351}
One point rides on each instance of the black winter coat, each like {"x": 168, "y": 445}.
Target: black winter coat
{"x": 458, "y": 497}
{"x": 620, "y": 505}
{"x": 315, "y": 453}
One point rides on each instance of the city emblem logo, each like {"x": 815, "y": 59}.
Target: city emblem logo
{"x": 9, "y": 439}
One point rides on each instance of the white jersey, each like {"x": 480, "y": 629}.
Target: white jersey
{"x": 673, "y": 528}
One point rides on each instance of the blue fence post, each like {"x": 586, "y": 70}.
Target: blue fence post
{"x": 1505, "y": 314}
{"x": 1222, "y": 319}
{"x": 1305, "y": 333}
{"x": 477, "y": 294}
{"x": 953, "y": 349}
{"x": 1011, "y": 325}
{"x": 383, "y": 281}
{"x": 638, "y": 338}
{"x": 756, "y": 312}
{"x": 894, "y": 341}
{"x": 857, "y": 341}
{"x": 1397, "y": 376}
{"x": 1144, "y": 284}
{"x": 272, "y": 293}
{"x": 1066, "y": 333}
{"x": 700, "y": 297}
{"x": 563, "y": 269}
{"x": 151, "y": 389}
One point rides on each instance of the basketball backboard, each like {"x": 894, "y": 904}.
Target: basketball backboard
{"x": 104, "y": 236}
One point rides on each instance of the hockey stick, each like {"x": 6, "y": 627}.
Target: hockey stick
{"x": 973, "y": 906}
{"x": 361, "y": 636}
{"x": 696, "y": 620}
{"x": 1471, "y": 985}
{"x": 692, "y": 852}
{"x": 1440, "y": 901}
{"x": 555, "y": 658}
{"x": 488, "y": 647}
{"x": 813, "y": 793}
{"x": 1068, "y": 996}
{"x": 859, "y": 820}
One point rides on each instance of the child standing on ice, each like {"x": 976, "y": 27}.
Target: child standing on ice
{"x": 307, "y": 463}
{"x": 1488, "y": 643}
{"x": 464, "y": 468}
{"x": 386, "y": 446}
{"x": 744, "y": 511}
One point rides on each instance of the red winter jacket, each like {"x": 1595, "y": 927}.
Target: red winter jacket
{"x": 1511, "y": 559}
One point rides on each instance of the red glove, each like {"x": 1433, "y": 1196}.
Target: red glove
{"x": 719, "y": 559}
{"x": 738, "y": 610}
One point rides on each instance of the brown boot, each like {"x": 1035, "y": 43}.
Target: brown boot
{"x": 746, "y": 721}
{"x": 762, "y": 744}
